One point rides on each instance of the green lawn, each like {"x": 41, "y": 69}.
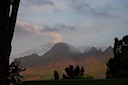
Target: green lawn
{"x": 79, "y": 82}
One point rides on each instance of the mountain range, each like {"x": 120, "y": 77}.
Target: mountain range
{"x": 62, "y": 55}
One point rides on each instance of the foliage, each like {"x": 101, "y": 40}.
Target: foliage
{"x": 56, "y": 75}
{"x": 118, "y": 65}
{"x": 74, "y": 73}
{"x": 14, "y": 76}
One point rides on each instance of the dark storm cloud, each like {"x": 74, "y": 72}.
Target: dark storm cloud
{"x": 39, "y": 2}
{"x": 80, "y": 5}
{"x": 59, "y": 28}
{"x": 67, "y": 27}
{"x": 49, "y": 29}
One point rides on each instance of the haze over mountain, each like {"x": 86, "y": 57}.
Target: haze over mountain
{"x": 63, "y": 53}
{"x": 38, "y": 50}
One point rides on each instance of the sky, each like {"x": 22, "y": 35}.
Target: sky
{"x": 82, "y": 23}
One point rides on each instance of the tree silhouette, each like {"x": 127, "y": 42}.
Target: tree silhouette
{"x": 56, "y": 75}
{"x": 74, "y": 73}
{"x": 8, "y": 15}
{"x": 14, "y": 76}
{"x": 118, "y": 65}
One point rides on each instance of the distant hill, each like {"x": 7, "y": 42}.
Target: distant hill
{"x": 63, "y": 54}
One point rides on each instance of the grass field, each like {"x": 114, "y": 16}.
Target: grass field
{"x": 79, "y": 82}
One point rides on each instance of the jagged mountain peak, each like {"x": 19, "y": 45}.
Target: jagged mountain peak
{"x": 108, "y": 50}
{"x": 61, "y": 52}
{"x": 65, "y": 47}
{"x": 93, "y": 49}
{"x": 93, "y": 52}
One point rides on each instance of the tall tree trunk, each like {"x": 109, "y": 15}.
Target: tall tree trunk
{"x": 8, "y": 14}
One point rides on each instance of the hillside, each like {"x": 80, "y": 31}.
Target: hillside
{"x": 60, "y": 56}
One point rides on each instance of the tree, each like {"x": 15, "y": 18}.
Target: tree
{"x": 8, "y": 15}
{"x": 14, "y": 76}
{"x": 74, "y": 73}
{"x": 56, "y": 75}
{"x": 118, "y": 65}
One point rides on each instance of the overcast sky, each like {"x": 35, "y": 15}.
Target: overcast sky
{"x": 82, "y": 23}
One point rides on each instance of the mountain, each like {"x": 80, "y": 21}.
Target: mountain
{"x": 93, "y": 52}
{"x": 60, "y": 47}
{"x": 59, "y": 52}
{"x": 62, "y": 55}
{"x": 29, "y": 60}
{"x": 64, "y": 47}
{"x": 109, "y": 50}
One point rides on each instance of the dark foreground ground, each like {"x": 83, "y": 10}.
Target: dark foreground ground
{"x": 79, "y": 82}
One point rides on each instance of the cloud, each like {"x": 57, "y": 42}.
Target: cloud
{"x": 59, "y": 31}
{"x": 81, "y": 6}
{"x": 82, "y": 23}
{"x": 38, "y": 3}
{"x": 66, "y": 27}
{"x": 78, "y": 18}
{"x": 56, "y": 37}
{"x": 27, "y": 37}
{"x": 34, "y": 6}
{"x": 24, "y": 29}
{"x": 49, "y": 29}
{"x": 59, "y": 28}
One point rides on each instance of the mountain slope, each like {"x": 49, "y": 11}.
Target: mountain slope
{"x": 58, "y": 53}
{"x": 61, "y": 55}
